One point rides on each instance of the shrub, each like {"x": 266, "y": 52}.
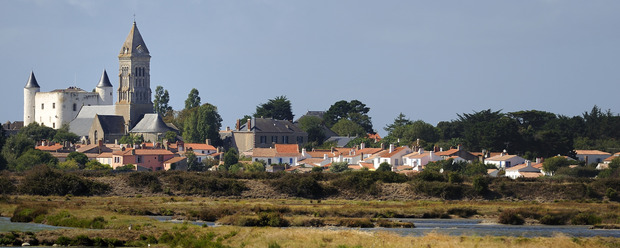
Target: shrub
{"x": 64, "y": 218}
{"x": 356, "y": 222}
{"x": 442, "y": 190}
{"x": 431, "y": 176}
{"x": 302, "y": 185}
{"x": 27, "y": 213}
{"x": 586, "y": 219}
{"x": 480, "y": 184}
{"x": 557, "y": 218}
{"x": 463, "y": 212}
{"x": 203, "y": 183}
{"x": 43, "y": 180}
{"x": 510, "y": 217}
{"x": 6, "y": 185}
{"x": 147, "y": 180}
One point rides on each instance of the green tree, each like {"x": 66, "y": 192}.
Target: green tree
{"x": 255, "y": 167}
{"x": 193, "y": 99}
{"x": 95, "y": 165}
{"x": 192, "y": 162}
{"x": 346, "y": 127}
{"x": 132, "y": 139}
{"x": 355, "y": 111}
{"x": 69, "y": 165}
{"x": 339, "y": 167}
{"x": 63, "y": 134}
{"x": 400, "y": 121}
{"x": 314, "y": 127}
{"x": 32, "y": 158}
{"x": 38, "y": 132}
{"x": 160, "y": 103}
{"x": 15, "y": 146}
{"x": 409, "y": 133}
{"x": 78, "y": 157}
{"x": 385, "y": 166}
{"x": 278, "y": 108}
{"x": 171, "y": 136}
{"x": 231, "y": 157}
{"x": 202, "y": 124}
{"x": 551, "y": 165}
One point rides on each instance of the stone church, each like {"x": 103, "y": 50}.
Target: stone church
{"x": 91, "y": 115}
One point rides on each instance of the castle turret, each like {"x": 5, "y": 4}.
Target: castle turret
{"x": 105, "y": 89}
{"x": 30, "y": 91}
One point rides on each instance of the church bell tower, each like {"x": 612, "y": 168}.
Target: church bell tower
{"x": 134, "y": 91}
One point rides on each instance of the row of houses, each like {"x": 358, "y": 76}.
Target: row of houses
{"x": 145, "y": 157}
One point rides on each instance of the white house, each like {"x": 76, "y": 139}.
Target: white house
{"x": 504, "y": 161}
{"x": 281, "y": 154}
{"x": 419, "y": 159}
{"x": 202, "y": 151}
{"x": 523, "y": 170}
{"x": 392, "y": 156}
{"x": 592, "y": 156}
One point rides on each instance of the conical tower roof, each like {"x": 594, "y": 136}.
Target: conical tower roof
{"x": 104, "y": 81}
{"x": 134, "y": 44}
{"x": 32, "y": 82}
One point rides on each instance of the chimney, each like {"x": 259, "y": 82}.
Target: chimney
{"x": 332, "y": 149}
{"x": 238, "y": 125}
{"x": 528, "y": 163}
{"x": 421, "y": 150}
{"x": 100, "y": 143}
{"x": 249, "y": 125}
{"x": 227, "y": 128}
{"x": 391, "y": 148}
{"x": 208, "y": 141}
{"x": 362, "y": 145}
{"x": 459, "y": 147}
{"x": 382, "y": 146}
{"x": 325, "y": 156}
{"x": 538, "y": 160}
{"x": 115, "y": 141}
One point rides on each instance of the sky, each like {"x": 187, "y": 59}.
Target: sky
{"x": 430, "y": 60}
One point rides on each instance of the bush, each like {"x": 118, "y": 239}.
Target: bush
{"x": 203, "y": 183}
{"x": 301, "y": 185}
{"x": 480, "y": 184}
{"x": 356, "y": 222}
{"x": 511, "y": 217}
{"x": 586, "y": 219}
{"x": 442, "y": 190}
{"x": 6, "y": 185}
{"x": 147, "y": 180}
{"x": 463, "y": 212}
{"x": 431, "y": 176}
{"x": 64, "y": 218}
{"x": 43, "y": 180}
{"x": 27, "y": 213}
{"x": 557, "y": 218}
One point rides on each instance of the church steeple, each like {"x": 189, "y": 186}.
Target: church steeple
{"x": 134, "y": 44}
{"x": 134, "y": 89}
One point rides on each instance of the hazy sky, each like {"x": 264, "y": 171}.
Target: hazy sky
{"x": 427, "y": 59}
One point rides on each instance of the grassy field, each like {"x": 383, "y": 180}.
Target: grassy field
{"x": 115, "y": 215}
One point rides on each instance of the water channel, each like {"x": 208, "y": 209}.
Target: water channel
{"x": 6, "y": 226}
{"x": 454, "y": 227}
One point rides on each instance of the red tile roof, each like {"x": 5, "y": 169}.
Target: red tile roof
{"x": 199, "y": 146}
{"x": 54, "y": 147}
{"x": 391, "y": 154}
{"x": 591, "y": 152}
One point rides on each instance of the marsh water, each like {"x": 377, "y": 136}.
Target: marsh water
{"x": 464, "y": 227}
{"x": 6, "y": 226}
{"x": 454, "y": 227}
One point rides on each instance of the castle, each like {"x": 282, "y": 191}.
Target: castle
{"x": 92, "y": 114}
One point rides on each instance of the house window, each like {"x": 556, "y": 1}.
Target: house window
{"x": 199, "y": 159}
{"x": 268, "y": 161}
{"x": 53, "y": 105}
{"x": 279, "y": 160}
{"x": 274, "y": 139}
{"x": 284, "y": 139}
{"x": 139, "y": 159}
{"x": 42, "y": 105}
{"x": 54, "y": 125}
{"x": 160, "y": 158}
{"x": 290, "y": 161}
{"x": 263, "y": 139}
{"x": 74, "y": 107}
{"x": 300, "y": 139}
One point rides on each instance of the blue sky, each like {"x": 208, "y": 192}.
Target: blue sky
{"x": 427, "y": 59}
